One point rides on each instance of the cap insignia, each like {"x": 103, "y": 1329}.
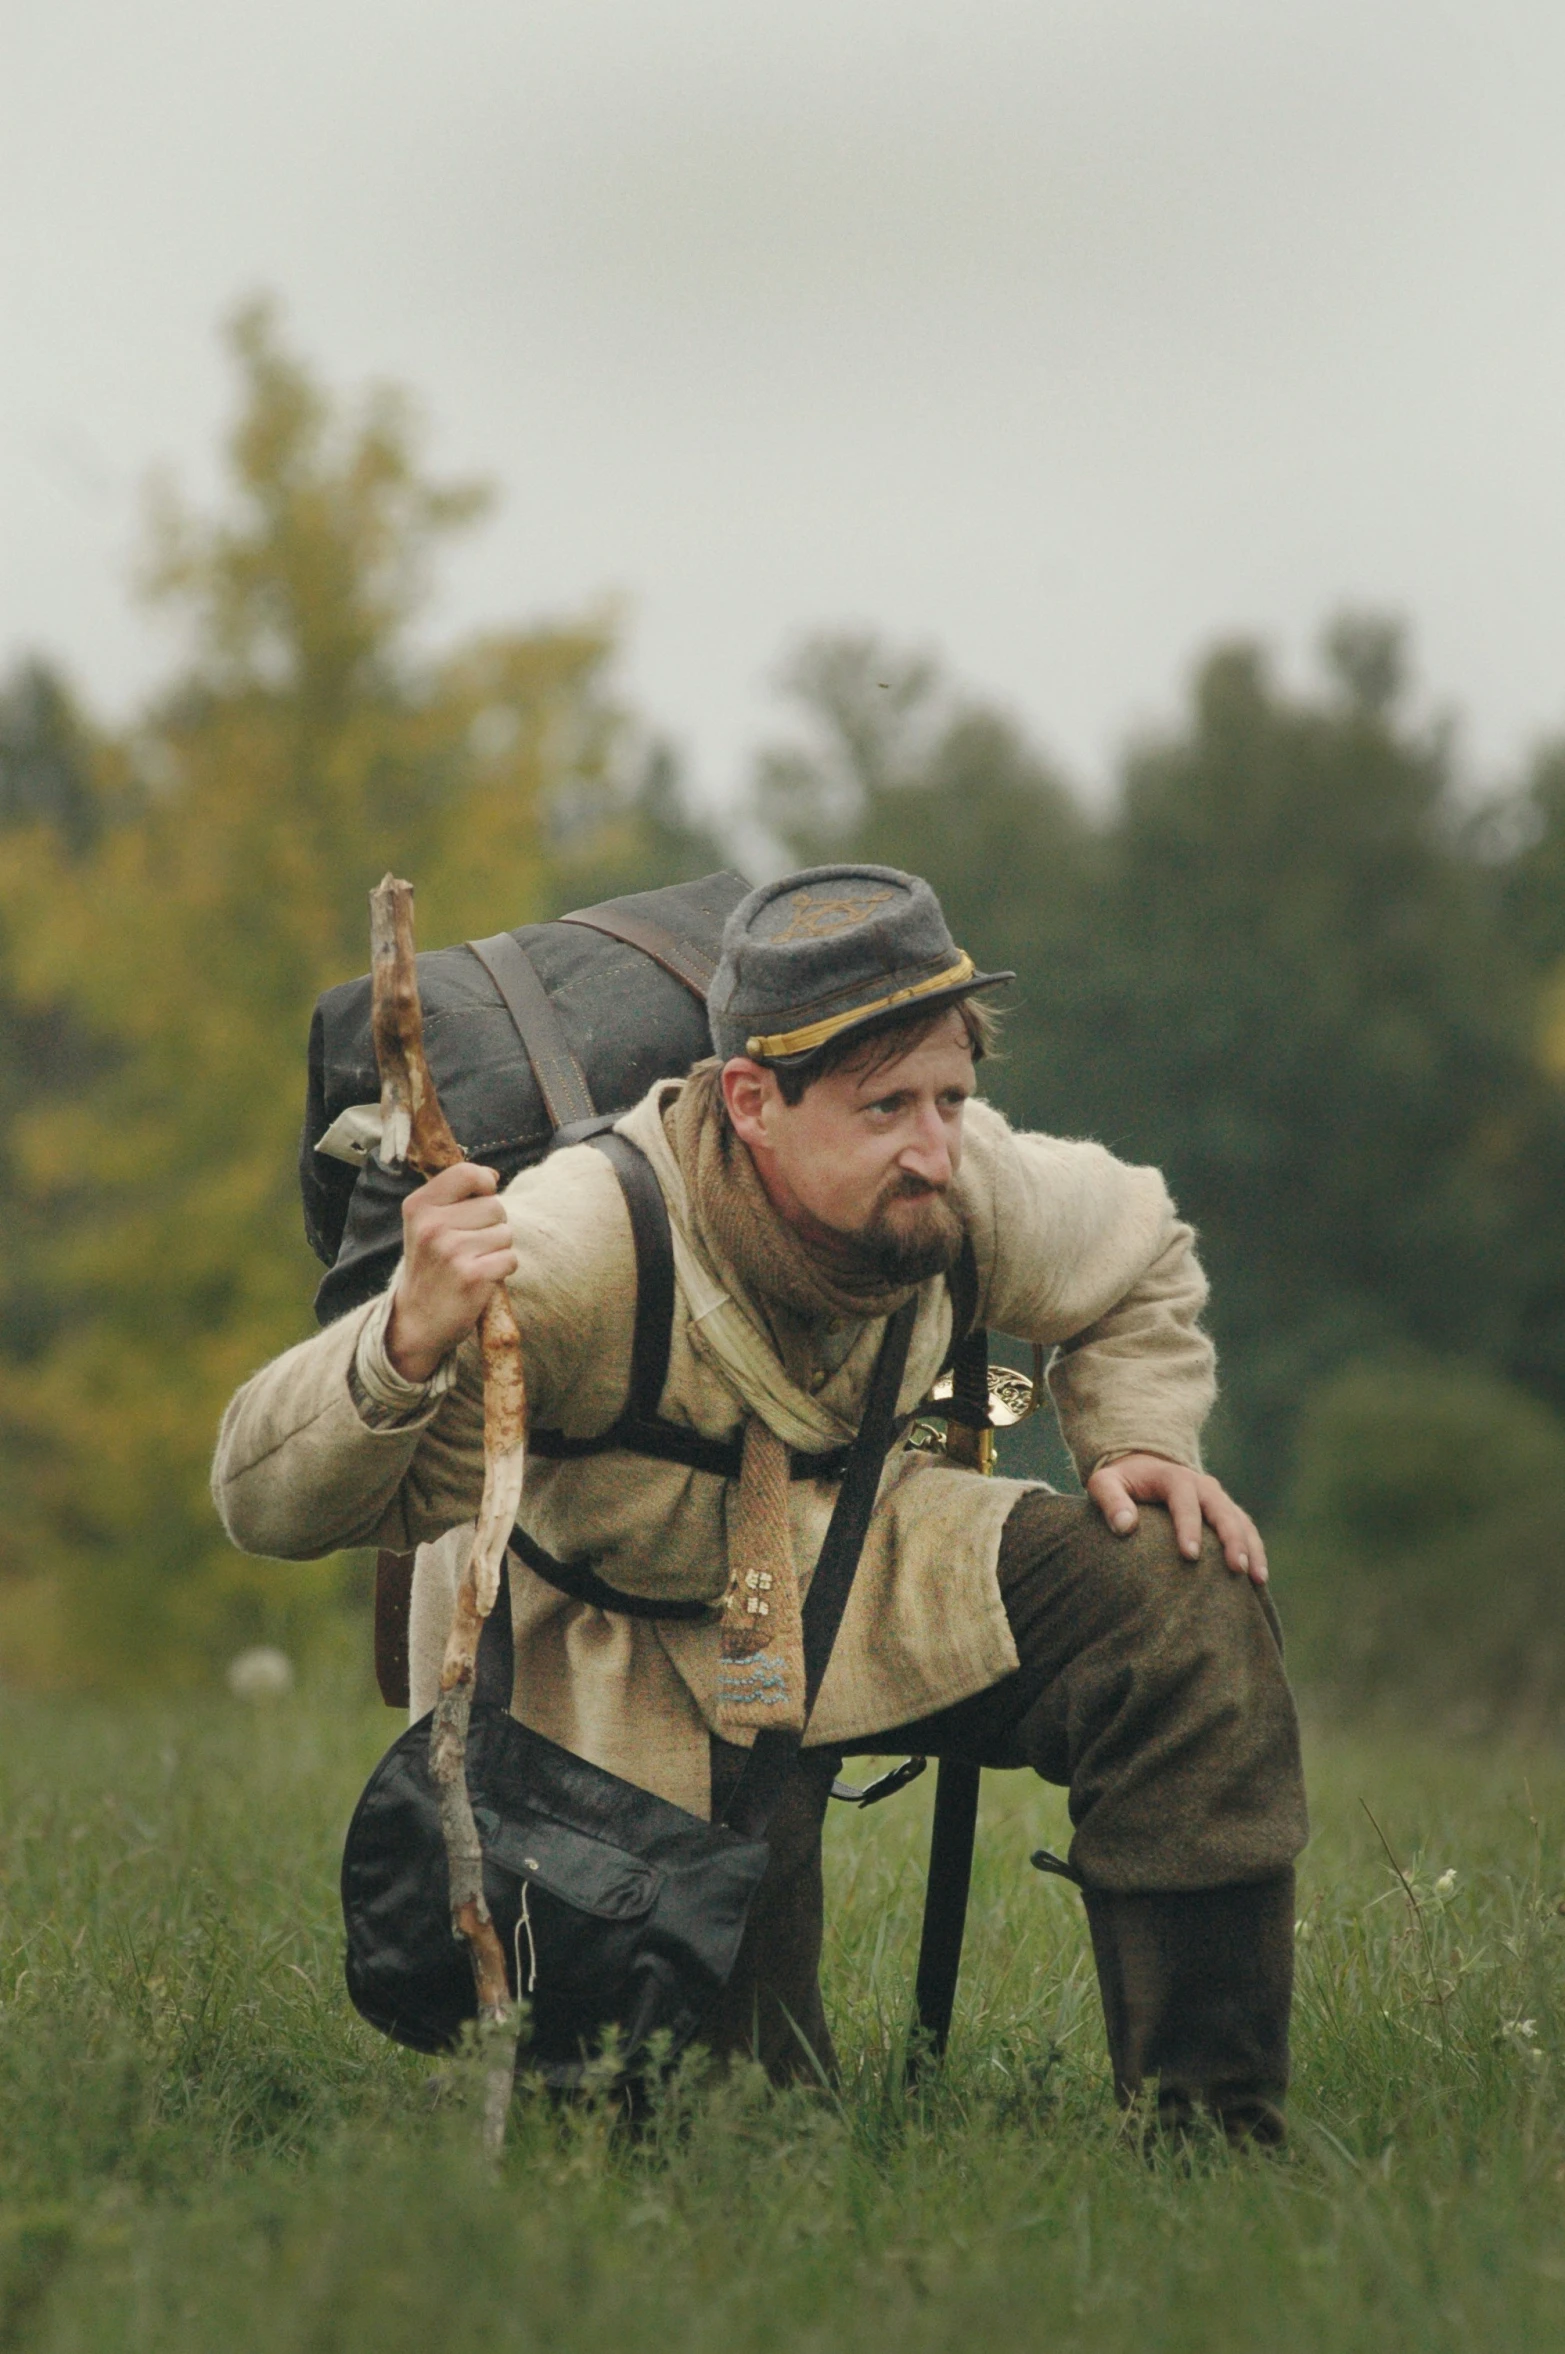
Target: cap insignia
{"x": 812, "y": 918}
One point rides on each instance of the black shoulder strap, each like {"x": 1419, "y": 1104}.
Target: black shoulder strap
{"x": 962, "y": 1283}
{"x": 639, "y": 1428}
{"x": 839, "y": 1555}
{"x": 649, "y": 1230}
{"x": 561, "y": 1080}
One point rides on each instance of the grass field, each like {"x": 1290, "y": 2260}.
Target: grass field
{"x": 202, "y": 2149}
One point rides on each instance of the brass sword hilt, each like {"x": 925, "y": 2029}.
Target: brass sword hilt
{"x": 966, "y": 1439}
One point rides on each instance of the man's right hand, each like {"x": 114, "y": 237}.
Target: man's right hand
{"x": 456, "y": 1246}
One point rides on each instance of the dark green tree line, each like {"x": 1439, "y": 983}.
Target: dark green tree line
{"x": 1291, "y": 962}
{"x": 1288, "y": 965}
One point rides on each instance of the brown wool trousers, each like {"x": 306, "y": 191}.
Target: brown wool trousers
{"x": 1152, "y": 1688}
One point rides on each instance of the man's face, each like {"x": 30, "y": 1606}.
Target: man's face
{"x": 864, "y": 1163}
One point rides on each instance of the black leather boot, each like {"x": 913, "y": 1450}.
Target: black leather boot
{"x": 1196, "y": 1994}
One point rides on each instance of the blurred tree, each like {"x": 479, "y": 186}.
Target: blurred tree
{"x": 1305, "y": 1010}
{"x": 1418, "y": 1556}
{"x": 47, "y": 760}
{"x": 632, "y": 831}
{"x": 1531, "y": 862}
{"x": 1281, "y": 969}
{"x": 1527, "y": 872}
{"x": 305, "y": 748}
{"x": 49, "y": 780}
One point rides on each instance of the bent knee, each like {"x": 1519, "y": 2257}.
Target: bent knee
{"x": 1149, "y": 1588}
{"x": 1170, "y": 1592}
{"x": 1072, "y": 1586}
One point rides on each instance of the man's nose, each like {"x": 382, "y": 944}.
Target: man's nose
{"x": 927, "y": 1153}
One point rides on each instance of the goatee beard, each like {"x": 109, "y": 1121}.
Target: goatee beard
{"x": 911, "y": 1250}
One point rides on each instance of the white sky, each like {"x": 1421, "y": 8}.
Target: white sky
{"x": 1057, "y": 334}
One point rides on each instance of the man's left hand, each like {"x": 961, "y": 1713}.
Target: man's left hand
{"x": 1191, "y": 1497}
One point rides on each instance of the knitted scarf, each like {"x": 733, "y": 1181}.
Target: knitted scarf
{"x": 798, "y": 1286}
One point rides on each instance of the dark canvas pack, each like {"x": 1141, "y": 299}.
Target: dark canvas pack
{"x": 612, "y": 1906}
{"x": 611, "y": 999}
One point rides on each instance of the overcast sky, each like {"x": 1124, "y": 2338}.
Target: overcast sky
{"x": 1060, "y": 335}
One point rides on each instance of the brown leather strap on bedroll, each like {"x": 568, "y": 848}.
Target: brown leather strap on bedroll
{"x": 682, "y": 958}
{"x": 561, "y": 1082}
{"x": 393, "y": 1602}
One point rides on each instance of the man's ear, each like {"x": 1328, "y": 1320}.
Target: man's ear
{"x": 748, "y": 1091}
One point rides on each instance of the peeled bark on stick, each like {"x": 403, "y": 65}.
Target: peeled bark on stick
{"x": 414, "y": 1128}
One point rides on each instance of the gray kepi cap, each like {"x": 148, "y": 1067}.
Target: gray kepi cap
{"x": 829, "y": 950}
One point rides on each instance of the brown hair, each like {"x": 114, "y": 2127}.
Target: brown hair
{"x": 878, "y": 1043}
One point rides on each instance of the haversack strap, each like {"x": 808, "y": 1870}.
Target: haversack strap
{"x": 494, "y": 1671}
{"x": 393, "y": 1604}
{"x": 670, "y": 1442}
{"x": 581, "y": 1581}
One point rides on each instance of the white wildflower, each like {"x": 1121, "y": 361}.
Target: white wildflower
{"x": 260, "y": 1673}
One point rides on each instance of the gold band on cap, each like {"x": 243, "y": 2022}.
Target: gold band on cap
{"x": 816, "y": 1033}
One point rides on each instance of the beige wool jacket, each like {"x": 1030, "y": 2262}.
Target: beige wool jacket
{"x": 327, "y": 1447}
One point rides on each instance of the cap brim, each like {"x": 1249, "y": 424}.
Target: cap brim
{"x": 922, "y": 1005}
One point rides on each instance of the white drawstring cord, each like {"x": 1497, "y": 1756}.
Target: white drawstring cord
{"x": 524, "y": 1921}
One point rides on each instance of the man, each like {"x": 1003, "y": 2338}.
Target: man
{"x": 830, "y": 1162}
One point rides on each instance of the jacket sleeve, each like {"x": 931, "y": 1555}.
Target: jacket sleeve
{"x": 1082, "y": 1252}
{"x": 307, "y": 1463}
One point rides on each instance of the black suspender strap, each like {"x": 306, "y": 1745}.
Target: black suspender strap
{"x": 641, "y": 1430}
{"x": 963, "y": 1285}
{"x": 654, "y": 1241}
{"x": 666, "y": 1442}
{"x": 760, "y": 1785}
{"x": 561, "y": 1083}
{"x": 839, "y": 1555}
{"x": 969, "y": 1402}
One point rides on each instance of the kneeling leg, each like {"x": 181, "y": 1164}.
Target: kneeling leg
{"x": 1153, "y": 1689}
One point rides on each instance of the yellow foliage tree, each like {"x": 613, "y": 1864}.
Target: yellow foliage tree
{"x": 305, "y": 749}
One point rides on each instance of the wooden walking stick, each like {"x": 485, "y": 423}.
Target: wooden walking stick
{"x": 414, "y": 1128}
